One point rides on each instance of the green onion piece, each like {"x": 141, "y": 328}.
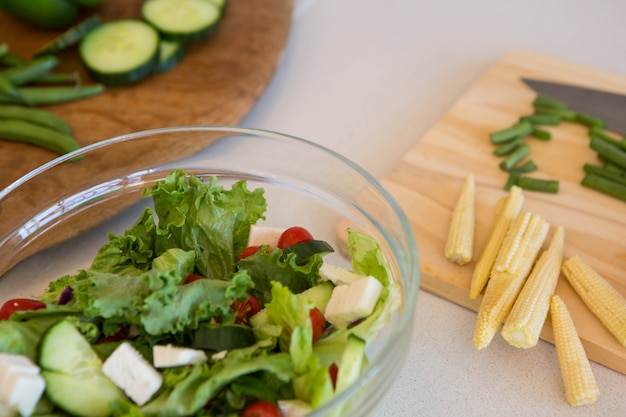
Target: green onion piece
{"x": 543, "y": 101}
{"x": 508, "y": 147}
{"x": 512, "y": 180}
{"x": 510, "y": 133}
{"x": 526, "y": 167}
{"x": 588, "y": 120}
{"x": 609, "y": 152}
{"x": 605, "y": 186}
{"x": 536, "y": 184}
{"x": 542, "y": 119}
{"x": 520, "y": 153}
{"x": 617, "y": 176}
{"x": 541, "y": 134}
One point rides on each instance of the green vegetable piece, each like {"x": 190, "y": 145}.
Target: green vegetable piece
{"x": 526, "y": 167}
{"x": 47, "y": 14}
{"x": 610, "y": 152}
{"x": 51, "y": 95}
{"x": 4, "y": 48}
{"x": 508, "y": 147}
{"x": 511, "y": 180}
{"x": 517, "y": 130}
{"x": 547, "y": 102}
{"x": 516, "y": 156}
{"x": 600, "y": 133}
{"x": 37, "y": 116}
{"x": 31, "y": 70}
{"x": 541, "y": 134}
{"x": 71, "y": 36}
{"x": 608, "y": 173}
{"x": 588, "y": 120}
{"x": 563, "y": 114}
{"x": 34, "y": 134}
{"x": 59, "y": 78}
{"x": 217, "y": 337}
{"x": 537, "y": 184}
{"x": 9, "y": 59}
{"x": 542, "y": 119}
{"x": 6, "y": 87}
{"x": 605, "y": 185}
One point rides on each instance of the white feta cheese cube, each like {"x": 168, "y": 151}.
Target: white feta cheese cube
{"x": 264, "y": 235}
{"x": 132, "y": 373}
{"x": 337, "y": 275}
{"x": 294, "y": 408}
{"x": 218, "y": 356}
{"x": 168, "y": 356}
{"x": 354, "y": 301}
{"x": 21, "y": 384}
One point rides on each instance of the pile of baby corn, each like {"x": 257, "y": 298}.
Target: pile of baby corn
{"x": 519, "y": 281}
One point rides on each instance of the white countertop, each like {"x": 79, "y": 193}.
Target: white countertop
{"x": 368, "y": 78}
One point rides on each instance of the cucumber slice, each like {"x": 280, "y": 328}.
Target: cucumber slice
{"x": 351, "y": 364}
{"x": 319, "y": 294}
{"x": 171, "y": 53}
{"x": 218, "y": 337}
{"x": 309, "y": 248}
{"x": 120, "y": 52}
{"x": 71, "y": 36}
{"x": 181, "y": 20}
{"x": 73, "y": 373}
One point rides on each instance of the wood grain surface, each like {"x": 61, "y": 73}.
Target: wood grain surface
{"x": 217, "y": 83}
{"x": 428, "y": 179}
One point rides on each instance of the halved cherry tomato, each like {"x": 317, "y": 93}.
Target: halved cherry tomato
{"x": 121, "y": 334}
{"x": 249, "y": 251}
{"x": 293, "y": 235}
{"x": 333, "y": 370}
{"x": 19, "y": 304}
{"x": 245, "y": 309}
{"x": 193, "y": 277}
{"x": 318, "y": 322}
{"x": 261, "y": 409}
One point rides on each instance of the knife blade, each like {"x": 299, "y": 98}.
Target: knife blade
{"x": 605, "y": 105}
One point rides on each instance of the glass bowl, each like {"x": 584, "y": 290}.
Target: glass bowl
{"x": 53, "y": 220}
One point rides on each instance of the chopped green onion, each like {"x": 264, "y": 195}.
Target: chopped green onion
{"x": 517, "y": 155}
{"x": 605, "y": 186}
{"x": 543, "y": 101}
{"x": 510, "y": 133}
{"x": 536, "y": 184}
{"x": 508, "y": 147}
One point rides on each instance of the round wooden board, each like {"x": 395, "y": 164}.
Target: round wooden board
{"x": 217, "y": 83}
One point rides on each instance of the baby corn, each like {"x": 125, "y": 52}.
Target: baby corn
{"x": 581, "y": 387}
{"x": 459, "y": 246}
{"x": 598, "y": 294}
{"x": 513, "y": 264}
{"x": 525, "y": 321}
{"x": 508, "y": 209}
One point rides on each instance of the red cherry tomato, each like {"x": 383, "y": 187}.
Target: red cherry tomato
{"x": 245, "y": 309}
{"x": 318, "y": 322}
{"x": 292, "y": 236}
{"x": 249, "y": 251}
{"x": 121, "y": 334}
{"x": 19, "y": 304}
{"x": 333, "y": 370}
{"x": 261, "y": 409}
{"x": 193, "y": 277}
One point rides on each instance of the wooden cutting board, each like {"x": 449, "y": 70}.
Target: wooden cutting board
{"x": 428, "y": 179}
{"x": 219, "y": 80}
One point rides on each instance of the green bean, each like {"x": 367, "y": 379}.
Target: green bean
{"x": 520, "y": 153}
{"x": 526, "y": 167}
{"x": 31, "y": 70}
{"x": 7, "y": 88}
{"x": 588, "y": 120}
{"x": 37, "y": 116}
{"x": 547, "y": 102}
{"x": 51, "y": 95}
{"x": 537, "y": 184}
{"x": 542, "y": 119}
{"x": 508, "y": 147}
{"x": 600, "y": 133}
{"x": 541, "y": 134}
{"x": 564, "y": 114}
{"x": 510, "y": 133}
{"x": 59, "y": 78}
{"x": 512, "y": 180}
{"x": 31, "y": 133}
{"x": 609, "y": 174}
{"x": 605, "y": 186}
{"x": 4, "y": 49}
{"x": 11, "y": 60}
{"x": 608, "y": 151}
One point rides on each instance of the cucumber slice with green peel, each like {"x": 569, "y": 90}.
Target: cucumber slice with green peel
{"x": 182, "y": 20}
{"x": 73, "y": 373}
{"x": 352, "y": 361}
{"x": 120, "y": 52}
{"x": 319, "y": 294}
{"x": 171, "y": 53}
{"x": 216, "y": 337}
{"x": 309, "y": 248}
